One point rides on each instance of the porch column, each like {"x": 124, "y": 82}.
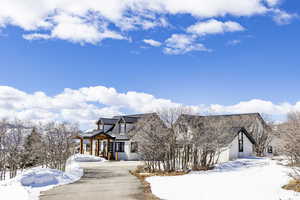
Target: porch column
{"x": 98, "y": 147}
{"x": 108, "y": 153}
{"x": 81, "y": 146}
{"x": 107, "y": 148}
{"x": 91, "y": 145}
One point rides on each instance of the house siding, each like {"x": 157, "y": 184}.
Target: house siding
{"x": 223, "y": 156}
{"x": 127, "y": 155}
{"x": 232, "y": 151}
{"x": 234, "y": 148}
{"x": 275, "y": 144}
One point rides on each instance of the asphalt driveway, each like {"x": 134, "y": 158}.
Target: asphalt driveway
{"x": 103, "y": 181}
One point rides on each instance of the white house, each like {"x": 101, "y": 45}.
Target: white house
{"x": 111, "y": 139}
{"x": 242, "y": 143}
{"x": 242, "y": 146}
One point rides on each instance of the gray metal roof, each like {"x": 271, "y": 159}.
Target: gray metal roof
{"x": 228, "y": 118}
{"x": 94, "y": 133}
{"x": 133, "y": 116}
{"x": 236, "y": 130}
{"x": 108, "y": 121}
{"x": 236, "y": 122}
{"x": 90, "y": 133}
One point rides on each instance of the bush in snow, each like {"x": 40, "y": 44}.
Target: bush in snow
{"x": 23, "y": 145}
{"x": 168, "y": 144}
{"x": 58, "y": 143}
{"x": 11, "y": 146}
{"x": 290, "y": 144}
{"x": 290, "y": 137}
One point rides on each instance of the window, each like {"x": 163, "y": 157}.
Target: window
{"x": 122, "y": 128}
{"x": 134, "y": 147}
{"x": 241, "y": 142}
{"x": 270, "y": 149}
{"x": 101, "y": 127}
{"x": 87, "y": 147}
{"x": 119, "y": 146}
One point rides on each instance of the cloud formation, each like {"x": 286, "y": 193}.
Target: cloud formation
{"x": 85, "y": 105}
{"x": 282, "y": 18}
{"x": 214, "y": 27}
{"x": 152, "y": 42}
{"x": 181, "y": 44}
{"x": 91, "y": 21}
{"x": 233, "y": 42}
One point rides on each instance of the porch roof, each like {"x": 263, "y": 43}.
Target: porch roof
{"x": 95, "y": 134}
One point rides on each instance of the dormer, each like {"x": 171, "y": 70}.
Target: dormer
{"x": 122, "y": 127}
{"x": 105, "y": 124}
{"x": 101, "y": 126}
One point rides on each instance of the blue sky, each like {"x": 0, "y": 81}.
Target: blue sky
{"x": 230, "y": 56}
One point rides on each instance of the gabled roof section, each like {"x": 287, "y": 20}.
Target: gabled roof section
{"x": 234, "y": 122}
{"x": 107, "y": 121}
{"x": 140, "y": 115}
{"x": 127, "y": 119}
{"x": 94, "y": 133}
{"x": 226, "y": 117}
{"x": 236, "y": 130}
{"x": 132, "y": 118}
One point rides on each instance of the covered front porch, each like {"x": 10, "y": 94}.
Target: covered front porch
{"x": 98, "y": 144}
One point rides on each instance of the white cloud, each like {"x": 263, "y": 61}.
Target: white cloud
{"x": 281, "y": 17}
{"x": 85, "y": 105}
{"x": 77, "y": 30}
{"x": 36, "y": 36}
{"x": 214, "y": 27}
{"x": 181, "y": 44}
{"x": 142, "y": 21}
{"x": 256, "y": 105}
{"x": 92, "y": 20}
{"x": 233, "y": 42}
{"x": 273, "y": 2}
{"x": 152, "y": 42}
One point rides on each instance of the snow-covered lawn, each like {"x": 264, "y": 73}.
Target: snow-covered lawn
{"x": 28, "y": 184}
{"x": 247, "y": 179}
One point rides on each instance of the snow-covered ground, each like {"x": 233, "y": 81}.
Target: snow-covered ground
{"x": 28, "y": 184}
{"x": 247, "y": 179}
{"x": 88, "y": 158}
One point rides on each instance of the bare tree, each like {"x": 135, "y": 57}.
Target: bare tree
{"x": 261, "y": 129}
{"x": 58, "y": 143}
{"x": 172, "y": 140}
{"x": 289, "y": 133}
{"x": 290, "y": 137}
{"x": 206, "y": 138}
{"x": 152, "y": 136}
{"x": 3, "y": 150}
{"x": 256, "y": 126}
{"x": 13, "y": 143}
{"x": 177, "y": 140}
{"x": 177, "y": 146}
{"x": 22, "y": 146}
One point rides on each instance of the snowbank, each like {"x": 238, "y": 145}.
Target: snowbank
{"x": 87, "y": 158}
{"x": 247, "y": 179}
{"x": 28, "y": 184}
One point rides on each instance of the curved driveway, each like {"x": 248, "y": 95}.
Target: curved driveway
{"x": 103, "y": 181}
